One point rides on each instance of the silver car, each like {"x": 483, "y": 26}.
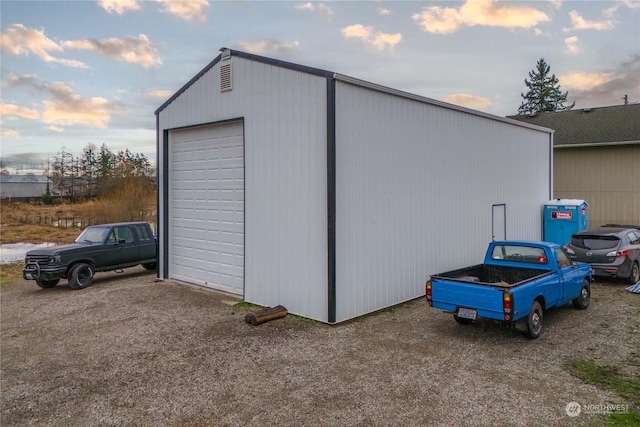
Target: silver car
{"x": 612, "y": 250}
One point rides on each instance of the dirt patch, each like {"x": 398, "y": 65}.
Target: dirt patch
{"x": 132, "y": 351}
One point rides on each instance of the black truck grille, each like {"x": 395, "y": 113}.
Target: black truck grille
{"x": 40, "y": 259}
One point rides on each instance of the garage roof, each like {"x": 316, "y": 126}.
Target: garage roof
{"x": 346, "y": 79}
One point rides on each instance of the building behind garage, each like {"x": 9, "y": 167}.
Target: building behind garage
{"x": 333, "y": 196}
{"x": 596, "y": 157}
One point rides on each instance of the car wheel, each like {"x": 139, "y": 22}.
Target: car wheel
{"x": 150, "y": 266}
{"x": 634, "y": 277}
{"x": 80, "y": 276}
{"x": 534, "y": 321}
{"x": 583, "y": 300}
{"x": 46, "y": 284}
{"x": 462, "y": 320}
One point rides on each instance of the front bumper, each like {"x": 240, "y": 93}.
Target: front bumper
{"x": 35, "y": 272}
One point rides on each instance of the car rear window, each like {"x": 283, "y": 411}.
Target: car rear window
{"x": 595, "y": 242}
{"x": 519, "y": 253}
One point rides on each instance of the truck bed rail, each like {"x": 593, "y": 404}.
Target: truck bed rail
{"x": 493, "y": 275}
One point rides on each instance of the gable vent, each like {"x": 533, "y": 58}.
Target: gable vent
{"x": 226, "y": 81}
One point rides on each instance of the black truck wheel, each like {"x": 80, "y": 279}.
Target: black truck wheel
{"x": 80, "y": 276}
{"x": 534, "y": 321}
{"x": 150, "y": 266}
{"x": 583, "y": 300}
{"x": 46, "y": 284}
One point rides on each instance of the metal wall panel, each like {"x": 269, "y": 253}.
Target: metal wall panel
{"x": 284, "y": 114}
{"x": 416, "y": 184}
{"x": 606, "y": 177}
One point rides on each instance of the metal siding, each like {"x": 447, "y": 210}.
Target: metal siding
{"x": 606, "y": 177}
{"x": 284, "y": 115}
{"x": 415, "y": 189}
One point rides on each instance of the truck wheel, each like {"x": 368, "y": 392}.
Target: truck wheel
{"x": 583, "y": 300}
{"x": 534, "y": 321}
{"x": 462, "y": 320}
{"x": 46, "y": 284}
{"x": 80, "y": 276}
{"x": 150, "y": 266}
{"x": 634, "y": 277}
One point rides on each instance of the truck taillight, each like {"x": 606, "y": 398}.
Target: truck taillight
{"x": 428, "y": 292}
{"x": 506, "y": 305}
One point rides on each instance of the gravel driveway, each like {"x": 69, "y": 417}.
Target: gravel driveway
{"x": 130, "y": 351}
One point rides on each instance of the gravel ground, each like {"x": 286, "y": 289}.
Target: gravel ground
{"x": 130, "y": 351}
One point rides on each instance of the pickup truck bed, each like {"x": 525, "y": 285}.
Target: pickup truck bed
{"x": 494, "y": 275}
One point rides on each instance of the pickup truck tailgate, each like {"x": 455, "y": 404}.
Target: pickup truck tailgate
{"x": 484, "y": 299}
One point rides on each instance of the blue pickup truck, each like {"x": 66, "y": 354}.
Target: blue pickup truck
{"x": 518, "y": 281}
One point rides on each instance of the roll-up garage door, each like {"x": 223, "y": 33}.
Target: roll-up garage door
{"x": 206, "y": 206}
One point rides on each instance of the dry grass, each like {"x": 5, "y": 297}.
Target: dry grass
{"x": 18, "y": 225}
{"x": 32, "y": 222}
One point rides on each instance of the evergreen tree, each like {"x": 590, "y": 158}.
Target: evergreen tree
{"x": 544, "y": 92}
{"x": 47, "y": 199}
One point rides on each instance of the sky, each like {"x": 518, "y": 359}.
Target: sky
{"x": 82, "y": 72}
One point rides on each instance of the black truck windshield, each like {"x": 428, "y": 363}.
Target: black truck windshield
{"x": 93, "y": 235}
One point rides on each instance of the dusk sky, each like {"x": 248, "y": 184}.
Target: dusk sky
{"x": 80, "y": 72}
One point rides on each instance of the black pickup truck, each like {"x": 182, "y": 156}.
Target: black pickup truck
{"x": 103, "y": 247}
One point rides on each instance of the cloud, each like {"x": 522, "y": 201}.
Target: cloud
{"x": 491, "y": 13}
{"x": 584, "y": 81}
{"x": 538, "y": 32}
{"x": 11, "y": 110}
{"x": 119, "y": 6}
{"x": 269, "y": 46}
{"x": 368, "y": 35}
{"x": 62, "y": 105}
{"x": 631, "y": 4}
{"x": 190, "y": 10}
{"x": 56, "y": 129}
{"x": 383, "y": 11}
{"x": 20, "y": 40}
{"x": 319, "y": 8}
{"x": 9, "y": 133}
{"x": 572, "y": 44}
{"x": 469, "y": 101}
{"x": 579, "y": 23}
{"x": 137, "y": 50}
{"x": 11, "y": 80}
{"x": 68, "y": 108}
{"x": 160, "y": 94}
{"x": 606, "y": 87}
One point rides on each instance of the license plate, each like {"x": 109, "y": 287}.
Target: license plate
{"x": 467, "y": 313}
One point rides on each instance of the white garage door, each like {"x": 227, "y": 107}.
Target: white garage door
{"x": 206, "y": 206}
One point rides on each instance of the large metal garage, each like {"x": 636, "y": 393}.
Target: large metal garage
{"x": 333, "y": 196}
